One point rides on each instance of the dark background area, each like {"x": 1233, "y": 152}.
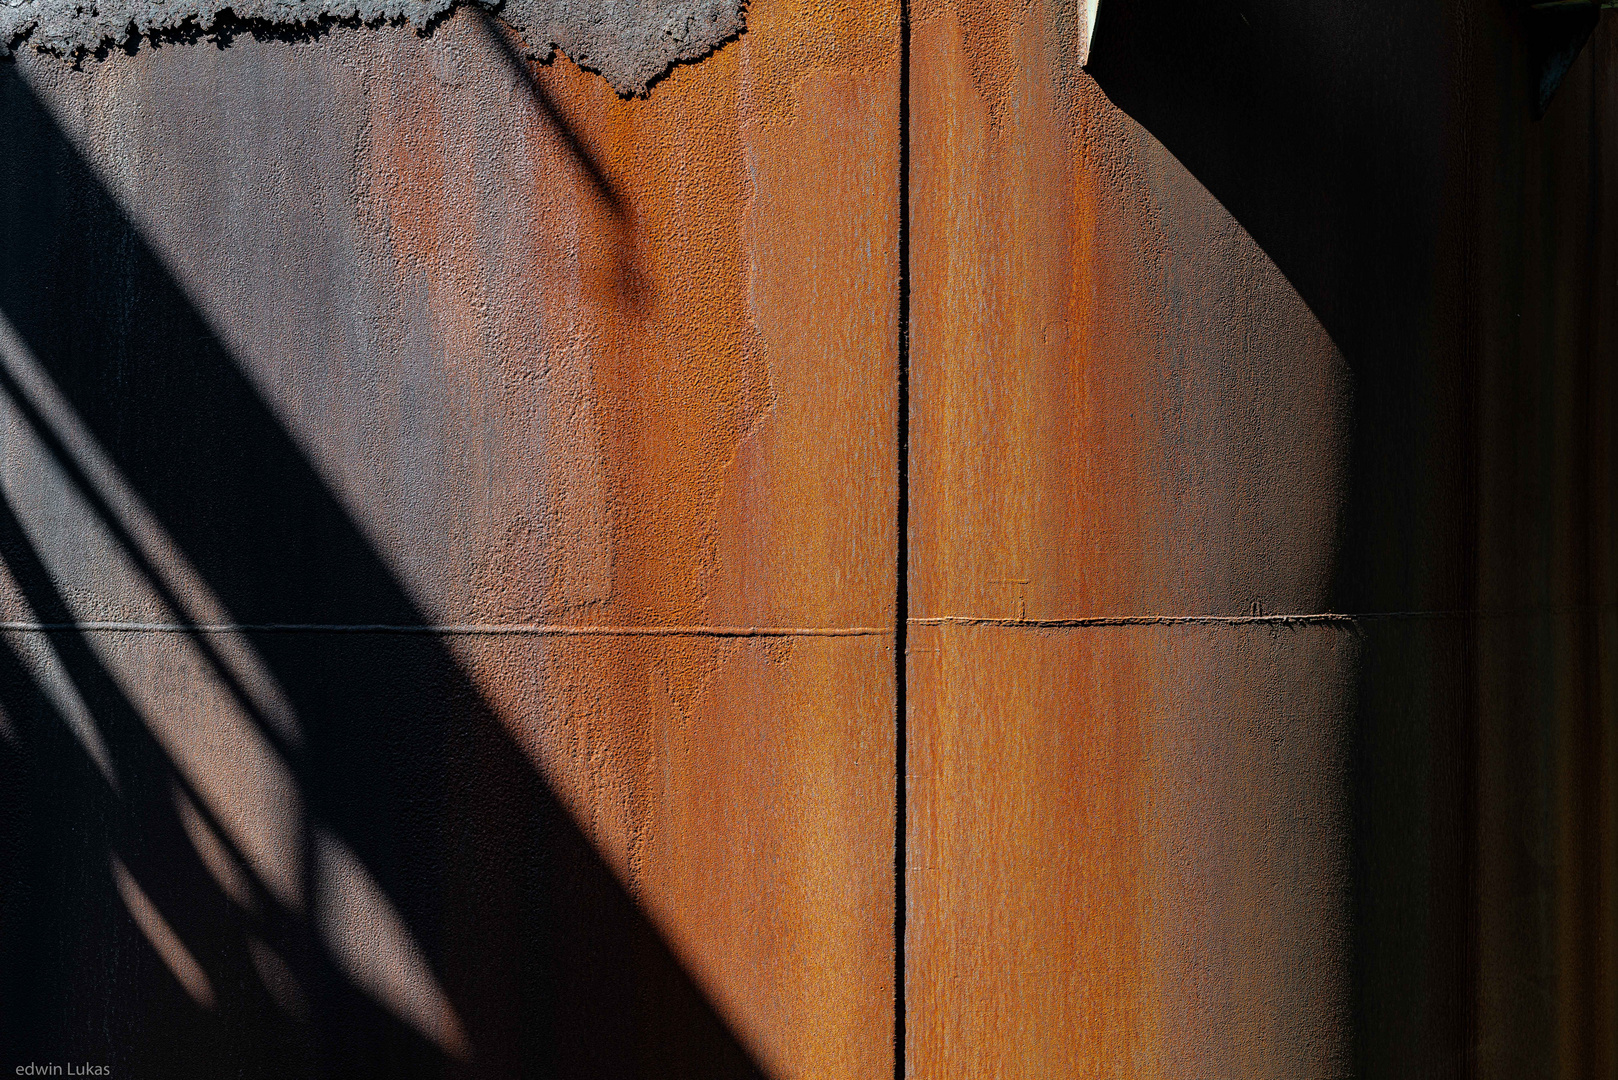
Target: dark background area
{"x": 1461, "y": 256}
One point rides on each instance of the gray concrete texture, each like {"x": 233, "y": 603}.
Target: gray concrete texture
{"x": 630, "y": 42}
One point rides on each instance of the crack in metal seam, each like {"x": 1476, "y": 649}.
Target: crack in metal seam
{"x": 901, "y": 585}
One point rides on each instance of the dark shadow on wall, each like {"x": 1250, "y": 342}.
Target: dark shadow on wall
{"x": 545, "y": 959}
{"x": 630, "y": 285}
{"x": 501, "y": 37}
{"x": 1326, "y": 130}
{"x": 1364, "y": 145}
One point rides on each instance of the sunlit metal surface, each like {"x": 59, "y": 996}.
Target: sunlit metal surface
{"x": 450, "y": 537}
{"x": 450, "y": 518}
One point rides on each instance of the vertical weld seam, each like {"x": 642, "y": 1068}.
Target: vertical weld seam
{"x": 901, "y": 612}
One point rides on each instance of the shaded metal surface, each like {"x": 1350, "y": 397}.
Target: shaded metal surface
{"x": 1260, "y": 588}
{"x": 1547, "y": 717}
{"x": 1285, "y": 310}
{"x": 381, "y": 331}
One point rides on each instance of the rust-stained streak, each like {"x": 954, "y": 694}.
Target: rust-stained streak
{"x": 1127, "y": 850}
{"x": 733, "y": 403}
{"x": 607, "y": 385}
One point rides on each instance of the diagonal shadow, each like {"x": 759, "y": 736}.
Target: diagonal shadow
{"x": 630, "y": 286}
{"x": 87, "y": 819}
{"x": 544, "y": 957}
{"x": 500, "y": 36}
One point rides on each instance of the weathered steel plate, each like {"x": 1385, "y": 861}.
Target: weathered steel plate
{"x": 1129, "y": 839}
{"x": 1291, "y": 312}
{"x": 577, "y": 412}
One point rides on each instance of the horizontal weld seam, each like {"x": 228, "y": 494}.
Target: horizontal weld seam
{"x": 1143, "y": 620}
{"x": 1309, "y": 619}
{"x": 468, "y": 630}
{"x": 1126, "y": 620}
{"x": 560, "y": 630}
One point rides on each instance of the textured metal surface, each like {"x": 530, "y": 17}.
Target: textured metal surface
{"x": 1280, "y": 311}
{"x": 1125, "y": 857}
{"x": 375, "y": 330}
{"x": 449, "y": 533}
{"x": 1128, "y": 843}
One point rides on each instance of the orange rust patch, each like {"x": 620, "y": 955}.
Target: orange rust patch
{"x": 1088, "y": 440}
{"x": 692, "y": 309}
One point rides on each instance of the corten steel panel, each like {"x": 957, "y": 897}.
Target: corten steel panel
{"x": 1129, "y": 850}
{"x": 1459, "y": 255}
{"x": 1128, "y": 844}
{"x": 1291, "y": 311}
{"x": 361, "y": 328}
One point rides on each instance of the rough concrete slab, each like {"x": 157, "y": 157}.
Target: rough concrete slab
{"x": 630, "y": 42}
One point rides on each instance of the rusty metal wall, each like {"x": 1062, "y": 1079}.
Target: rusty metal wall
{"x": 1261, "y": 719}
{"x": 1129, "y": 838}
{"x": 563, "y": 426}
{"x": 450, "y": 549}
